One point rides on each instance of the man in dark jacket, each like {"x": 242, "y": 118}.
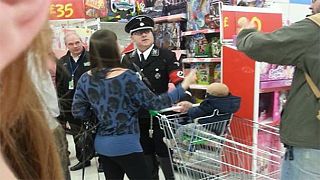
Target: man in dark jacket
{"x": 69, "y": 69}
{"x": 298, "y": 45}
{"x": 158, "y": 67}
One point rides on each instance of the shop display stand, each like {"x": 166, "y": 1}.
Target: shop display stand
{"x": 243, "y": 77}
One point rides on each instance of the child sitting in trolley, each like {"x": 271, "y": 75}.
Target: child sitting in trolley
{"x": 212, "y": 115}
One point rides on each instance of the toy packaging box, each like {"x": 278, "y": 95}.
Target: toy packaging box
{"x": 275, "y": 76}
{"x": 121, "y": 10}
{"x": 215, "y": 47}
{"x": 157, "y": 8}
{"x": 199, "y": 46}
{"x": 206, "y": 72}
{"x": 167, "y": 35}
{"x": 203, "y": 73}
{"x": 95, "y": 8}
{"x": 171, "y": 7}
{"x": 203, "y": 14}
{"x": 152, "y": 8}
{"x": 271, "y": 72}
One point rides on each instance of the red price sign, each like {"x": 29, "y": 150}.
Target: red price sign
{"x": 66, "y": 9}
{"x": 233, "y": 22}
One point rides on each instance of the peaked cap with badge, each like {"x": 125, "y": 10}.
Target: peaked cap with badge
{"x": 138, "y": 23}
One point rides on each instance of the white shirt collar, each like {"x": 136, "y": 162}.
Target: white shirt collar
{"x": 76, "y": 58}
{"x": 146, "y": 53}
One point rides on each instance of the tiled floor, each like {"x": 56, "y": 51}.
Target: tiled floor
{"x": 91, "y": 172}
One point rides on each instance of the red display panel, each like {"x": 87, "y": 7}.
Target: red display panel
{"x": 66, "y": 9}
{"x": 238, "y": 75}
{"x": 265, "y": 22}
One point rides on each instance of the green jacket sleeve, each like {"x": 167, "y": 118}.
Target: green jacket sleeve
{"x": 285, "y": 46}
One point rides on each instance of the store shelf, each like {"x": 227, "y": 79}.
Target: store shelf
{"x": 269, "y": 122}
{"x": 180, "y": 51}
{"x": 204, "y": 31}
{"x": 191, "y": 60}
{"x": 198, "y": 86}
{"x": 171, "y": 18}
{"x": 277, "y": 85}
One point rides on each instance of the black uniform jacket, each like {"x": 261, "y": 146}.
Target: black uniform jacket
{"x": 63, "y": 78}
{"x": 160, "y": 68}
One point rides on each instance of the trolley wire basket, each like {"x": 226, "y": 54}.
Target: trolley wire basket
{"x": 228, "y": 148}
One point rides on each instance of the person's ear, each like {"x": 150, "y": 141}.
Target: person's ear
{"x": 20, "y": 20}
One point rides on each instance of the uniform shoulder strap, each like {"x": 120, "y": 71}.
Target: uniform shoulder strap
{"x": 315, "y": 18}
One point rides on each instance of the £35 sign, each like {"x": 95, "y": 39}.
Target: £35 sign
{"x": 66, "y": 9}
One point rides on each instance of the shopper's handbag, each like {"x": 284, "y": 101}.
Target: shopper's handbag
{"x": 85, "y": 140}
{"x": 314, "y": 89}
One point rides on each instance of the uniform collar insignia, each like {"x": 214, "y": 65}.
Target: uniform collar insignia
{"x": 155, "y": 52}
{"x": 132, "y": 54}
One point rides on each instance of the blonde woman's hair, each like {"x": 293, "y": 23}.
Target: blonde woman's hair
{"x": 27, "y": 143}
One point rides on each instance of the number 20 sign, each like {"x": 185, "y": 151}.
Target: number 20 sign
{"x": 66, "y": 9}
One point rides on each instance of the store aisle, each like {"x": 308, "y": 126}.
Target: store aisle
{"x": 91, "y": 172}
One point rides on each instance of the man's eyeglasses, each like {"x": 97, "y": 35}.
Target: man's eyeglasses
{"x": 313, "y": 1}
{"x": 142, "y": 31}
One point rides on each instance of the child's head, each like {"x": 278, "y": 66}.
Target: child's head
{"x": 218, "y": 89}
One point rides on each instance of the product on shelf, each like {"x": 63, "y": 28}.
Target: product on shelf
{"x": 202, "y": 47}
{"x": 198, "y": 46}
{"x": 203, "y": 14}
{"x": 120, "y": 11}
{"x": 203, "y": 72}
{"x": 95, "y": 8}
{"x": 265, "y": 107}
{"x": 275, "y": 76}
{"x": 275, "y": 72}
{"x": 171, "y": 7}
{"x": 217, "y": 73}
{"x": 252, "y": 3}
{"x": 206, "y": 72}
{"x": 212, "y": 19}
{"x": 280, "y": 98}
{"x": 270, "y": 107}
{"x": 215, "y": 47}
{"x": 167, "y": 35}
{"x": 152, "y": 8}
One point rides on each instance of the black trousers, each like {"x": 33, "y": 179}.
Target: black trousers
{"x": 133, "y": 165}
{"x": 75, "y": 125}
{"x": 155, "y": 150}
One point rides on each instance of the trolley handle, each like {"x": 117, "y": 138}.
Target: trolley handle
{"x": 175, "y": 108}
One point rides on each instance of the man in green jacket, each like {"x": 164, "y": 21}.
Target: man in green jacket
{"x": 297, "y": 45}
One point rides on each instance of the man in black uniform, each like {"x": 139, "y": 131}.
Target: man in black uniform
{"x": 69, "y": 69}
{"x": 158, "y": 67}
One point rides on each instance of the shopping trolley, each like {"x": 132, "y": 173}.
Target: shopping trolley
{"x": 224, "y": 149}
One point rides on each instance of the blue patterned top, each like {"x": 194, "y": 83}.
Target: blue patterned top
{"x": 116, "y": 101}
